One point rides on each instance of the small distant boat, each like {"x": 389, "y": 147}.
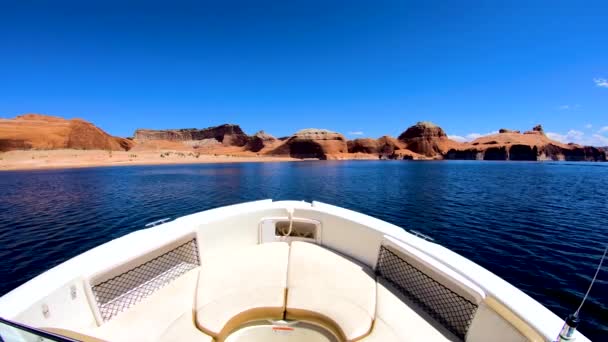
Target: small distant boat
{"x": 273, "y": 271}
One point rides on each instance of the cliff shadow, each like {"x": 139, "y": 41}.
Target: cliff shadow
{"x": 523, "y": 152}
{"x": 496, "y": 153}
{"x": 306, "y": 149}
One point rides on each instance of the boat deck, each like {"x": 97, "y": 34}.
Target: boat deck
{"x": 274, "y": 282}
{"x": 275, "y": 271}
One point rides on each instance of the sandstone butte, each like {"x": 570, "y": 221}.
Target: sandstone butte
{"x": 530, "y": 145}
{"x": 43, "y": 132}
{"x": 422, "y": 141}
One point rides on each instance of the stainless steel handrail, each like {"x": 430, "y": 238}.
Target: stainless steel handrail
{"x": 157, "y": 222}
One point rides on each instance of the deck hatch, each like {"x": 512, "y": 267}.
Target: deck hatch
{"x": 125, "y": 290}
{"x": 446, "y": 306}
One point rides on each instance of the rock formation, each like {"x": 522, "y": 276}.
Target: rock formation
{"x": 260, "y": 141}
{"x": 506, "y": 130}
{"x": 391, "y": 148}
{"x": 538, "y": 129}
{"x": 583, "y": 153}
{"x": 427, "y": 139}
{"x": 313, "y": 143}
{"x": 531, "y": 145}
{"x": 424, "y": 140}
{"x": 385, "y": 147}
{"x": 36, "y": 131}
{"x": 363, "y": 145}
{"x": 227, "y": 134}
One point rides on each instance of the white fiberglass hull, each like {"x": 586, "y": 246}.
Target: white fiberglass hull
{"x": 275, "y": 271}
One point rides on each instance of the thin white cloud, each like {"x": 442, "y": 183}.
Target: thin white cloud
{"x": 589, "y": 126}
{"x": 473, "y": 136}
{"x": 603, "y": 129}
{"x": 601, "y": 82}
{"x": 355, "y": 133}
{"x": 556, "y": 136}
{"x": 572, "y": 136}
{"x": 569, "y": 107}
{"x": 470, "y": 136}
{"x": 578, "y": 137}
{"x": 600, "y": 139}
{"x": 458, "y": 138}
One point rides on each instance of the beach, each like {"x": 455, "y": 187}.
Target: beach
{"x": 68, "y": 158}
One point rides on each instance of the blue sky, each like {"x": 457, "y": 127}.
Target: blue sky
{"x": 350, "y": 66}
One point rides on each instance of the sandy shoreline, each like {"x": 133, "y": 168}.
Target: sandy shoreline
{"x": 60, "y": 159}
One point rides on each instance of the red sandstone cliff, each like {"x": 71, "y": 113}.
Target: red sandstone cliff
{"x": 531, "y": 145}
{"x": 36, "y": 131}
{"x": 226, "y": 134}
{"x": 313, "y": 143}
{"x": 427, "y": 139}
{"x": 261, "y": 141}
{"x": 385, "y": 147}
{"x": 421, "y": 141}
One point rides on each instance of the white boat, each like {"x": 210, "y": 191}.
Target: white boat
{"x": 273, "y": 271}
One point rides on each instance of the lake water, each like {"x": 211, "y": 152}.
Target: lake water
{"x": 540, "y": 226}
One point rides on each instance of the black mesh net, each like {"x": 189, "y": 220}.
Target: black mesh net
{"x": 449, "y": 308}
{"x": 123, "y": 291}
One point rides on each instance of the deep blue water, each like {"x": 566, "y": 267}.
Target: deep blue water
{"x": 540, "y": 226}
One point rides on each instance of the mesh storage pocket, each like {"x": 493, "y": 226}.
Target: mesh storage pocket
{"x": 125, "y": 290}
{"x": 446, "y": 306}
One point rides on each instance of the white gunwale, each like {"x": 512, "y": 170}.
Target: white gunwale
{"x": 341, "y": 230}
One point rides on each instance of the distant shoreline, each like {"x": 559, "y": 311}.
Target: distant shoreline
{"x": 28, "y": 160}
{"x": 24, "y": 160}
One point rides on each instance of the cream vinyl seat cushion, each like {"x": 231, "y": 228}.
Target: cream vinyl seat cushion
{"x": 183, "y": 329}
{"x": 329, "y": 288}
{"x": 381, "y": 332}
{"x": 399, "y": 319}
{"x": 240, "y": 286}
